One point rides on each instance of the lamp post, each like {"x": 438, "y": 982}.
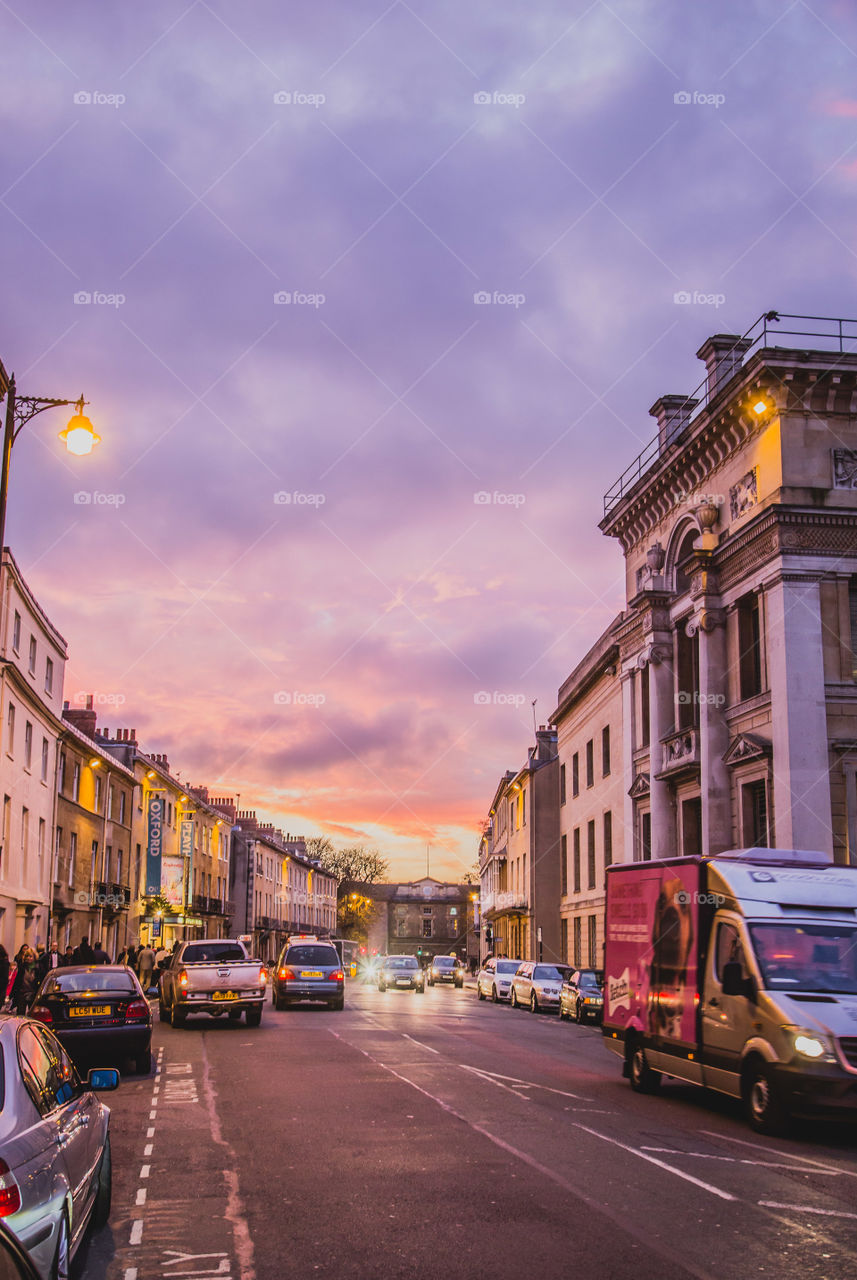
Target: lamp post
{"x": 79, "y": 436}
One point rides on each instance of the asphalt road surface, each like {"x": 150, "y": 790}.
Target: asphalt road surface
{"x": 438, "y": 1136}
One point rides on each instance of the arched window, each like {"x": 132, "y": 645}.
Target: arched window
{"x": 688, "y": 542}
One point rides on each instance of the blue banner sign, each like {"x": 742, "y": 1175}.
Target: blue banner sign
{"x": 155, "y": 841}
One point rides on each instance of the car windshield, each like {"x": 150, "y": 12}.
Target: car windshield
{"x": 445, "y": 962}
{"x": 587, "y": 980}
{"x": 212, "y": 953}
{"x": 402, "y": 962}
{"x": 549, "y": 972}
{"x": 508, "y": 966}
{"x": 118, "y": 980}
{"x": 807, "y": 957}
{"x": 325, "y": 957}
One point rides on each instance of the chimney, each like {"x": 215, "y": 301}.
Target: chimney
{"x": 83, "y": 718}
{"x": 546, "y": 744}
{"x": 673, "y": 415}
{"x": 723, "y": 354}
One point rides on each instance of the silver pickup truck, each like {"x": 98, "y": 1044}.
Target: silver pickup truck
{"x": 215, "y": 976}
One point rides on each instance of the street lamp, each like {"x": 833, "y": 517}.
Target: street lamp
{"x": 79, "y": 436}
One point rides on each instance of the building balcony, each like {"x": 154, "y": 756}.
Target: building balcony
{"x": 680, "y": 751}
{"x": 507, "y": 901}
{"x": 487, "y": 902}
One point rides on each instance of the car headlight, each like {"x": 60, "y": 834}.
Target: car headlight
{"x": 810, "y": 1045}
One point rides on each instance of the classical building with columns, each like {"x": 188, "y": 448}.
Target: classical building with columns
{"x": 732, "y": 667}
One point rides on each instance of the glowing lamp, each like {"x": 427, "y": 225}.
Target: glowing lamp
{"x": 80, "y": 437}
{"x": 760, "y": 407}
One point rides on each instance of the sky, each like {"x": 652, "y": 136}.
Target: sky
{"x": 370, "y": 301}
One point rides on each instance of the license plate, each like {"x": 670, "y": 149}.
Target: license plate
{"x": 224, "y": 995}
{"x": 311, "y": 973}
{"x": 90, "y": 1011}
{"x": 403, "y": 982}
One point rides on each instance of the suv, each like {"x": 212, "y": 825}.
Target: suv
{"x": 402, "y": 972}
{"x": 308, "y": 971}
{"x": 446, "y": 969}
{"x": 495, "y": 978}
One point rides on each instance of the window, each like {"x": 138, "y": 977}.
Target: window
{"x": 61, "y": 772}
{"x": 16, "y": 632}
{"x": 592, "y": 931}
{"x": 25, "y": 838}
{"x": 564, "y": 867}
{"x": 98, "y": 789}
{"x": 575, "y": 775}
{"x": 72, "y": 857}
{"x": 729, "y": 949}
{"x": 645, "y": 842}
{"x": 57, "y": 849}
{"x": 10, "y": 729}
{"x": 590, "y": 763}
{"x": 644, "y": 707}
{"x": 605, "y": 751}
{"x": 687, "y": 678}
{"x": 31, "y": 662}
{"x": 590, "y": 852}
{"x": 45, "y": 759}
{"x": 49, "y": 675}
{"x": 754, "y": 815}
{"x": 523, "y": 808}
{"x": 122, "y": 808}
{"x": 563, "y": 939}
{"x": 578, "y": 947}
{"x": 75, "y": 781}
{"x": 562, "y": 784}
{"x": 576, "y": 859}
{"x": 426, "y": 911}
{"x": 111, "y": 800}
{"x": 93, "y": 861}
{"x": 749, "y": 646}
{"x": 427, "y": 928}
{"x": 691, "y": 826}
{"x": 42, "y": 832}
{"x": 608, "y": 838}
{"x": 28, "y": 744}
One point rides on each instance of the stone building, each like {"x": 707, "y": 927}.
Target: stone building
{"x": 93, "y": 864}
{"x": 519, "y": 859}
{"x": 31, "y": 680}
{"x": 425, "y": 918}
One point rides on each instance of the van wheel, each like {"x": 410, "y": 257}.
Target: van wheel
{"x": 762, "y": 1104}
{"x": 643, "y": 1078}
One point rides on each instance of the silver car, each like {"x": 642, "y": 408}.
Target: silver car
{"x": 495, "y": 978}
{"x": 55, "y": 1170}
{"x": 537, "y": 986}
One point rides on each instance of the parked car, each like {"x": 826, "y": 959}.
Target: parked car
{"x": 446, "y": 969}
{"x": 308, "y": 971}
{"x": 537, "y": 986}
{"x": 215, "y": 976}
{"x": 403, "y": 973}
{"x": 495, "y": 978}
{"x": 55, "y": 1169}
{"x": 97, "y": 1012}
{"x": 582, "y": 996}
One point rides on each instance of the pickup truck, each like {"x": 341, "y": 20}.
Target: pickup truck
{"x": 214, "y": 976}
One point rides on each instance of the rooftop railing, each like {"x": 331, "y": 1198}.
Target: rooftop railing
{"x": 827, "y": 333}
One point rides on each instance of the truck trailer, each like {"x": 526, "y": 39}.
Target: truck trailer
{"x": 737, "y": 972}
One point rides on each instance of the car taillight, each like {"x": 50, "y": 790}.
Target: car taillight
{"x": 263, "y": 976}
{"x": 287, "y": 973}
{"x": 10, "y": 1192}
{"x": 137, "y": 1011}
{"x": 41, "y": 1014}
{"x": 336, "y": 976}
{"x": 183, "y": 978}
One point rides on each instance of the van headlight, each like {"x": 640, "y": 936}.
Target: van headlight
{"x": 810, "y": 1045}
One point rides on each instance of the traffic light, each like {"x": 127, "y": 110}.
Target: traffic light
{"x": 419, "y": 951}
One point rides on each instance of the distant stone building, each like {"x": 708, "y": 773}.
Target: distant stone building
{"x": 425, "y": 917}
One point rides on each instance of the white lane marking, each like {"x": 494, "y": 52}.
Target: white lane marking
{"x": 235, "y": 1212}
{"x": 662, "y": 1164}
{"x": 774, "y": 1151}
{"x": 805, "y": 1208}
{"x": 141, "y": 1195}
{"x": 153, "y": 1115}
{"x": 494, "y": 1076}
{"x": 420, "y": 1043}
{"x": 761, "y": 1164}
{"x": 147, "y": 1150}
{"x": 130, "y": 1273}
{"x": 150, "y": 1132}
{"x": 145, "y": 1170}
{"x": 137, "y": 1231}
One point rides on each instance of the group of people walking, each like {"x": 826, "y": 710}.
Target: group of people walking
{"x": 20, "y": 978}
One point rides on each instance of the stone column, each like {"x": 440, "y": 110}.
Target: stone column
{"x": 715, "y": 782}
{"x": 659, "y": 667}
{"x": 793, "y": 638}
{"x": 628, "y": 724}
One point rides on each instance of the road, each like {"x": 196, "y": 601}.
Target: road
{"x": 439, "y": 1136}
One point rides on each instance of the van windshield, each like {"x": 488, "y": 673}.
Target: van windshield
{"x": 807, "y": 957}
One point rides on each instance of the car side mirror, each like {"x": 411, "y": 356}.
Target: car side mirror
{"x": 103, "y": 1079}
{"x": 734, "y": 983}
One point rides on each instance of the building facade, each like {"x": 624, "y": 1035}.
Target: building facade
{"x": 424, "y": 918}
{"x": 519, "y": 859}
{"x": 31, "y": 680}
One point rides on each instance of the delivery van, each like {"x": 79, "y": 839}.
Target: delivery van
{"x": 737, "y": 972}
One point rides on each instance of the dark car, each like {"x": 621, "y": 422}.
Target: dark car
{"x": 582, "y": 997}
{"x": 308, "y": 971}
{"x": 403, "y": 973}
{"x": 97, "y": 1011}
{"x": 446, "y": 969}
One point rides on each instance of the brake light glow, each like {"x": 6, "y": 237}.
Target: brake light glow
{"x": 183, "y": 978}
{"x": 287, "y": 973}
{"x": 10, "y": 1192}
{"x": 41, "y": 1014}
{"x": 336, "y": 976}
{"x": 137, "y": 1011}
{"x": 263, "y": 976}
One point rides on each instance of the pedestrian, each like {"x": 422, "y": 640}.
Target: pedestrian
{"x": 24, "y": 986}
{"x": 68, "y": 958}
{"x": 84, "y": 953}
{"x": 41, "y": 962}
{"x": 4, "y": 974}
{"x": 146, "y": 962}
{"x": 100, "y": 956}
{"x": 47, "y": 961}
{"x": 131, "y": 960}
